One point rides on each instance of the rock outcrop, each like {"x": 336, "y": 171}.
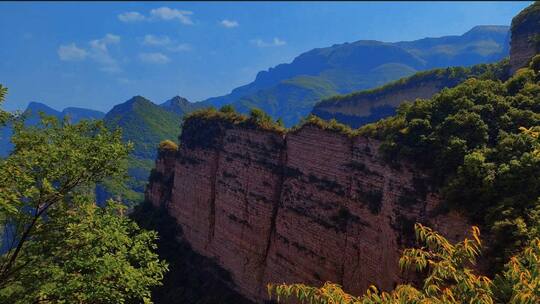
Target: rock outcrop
{"x": 363, "y": 107}
{"x": 358, "y": 109}
{"x": 525, "y": 33}
{"x": 310, "y": 205}
{"x": 161, "y": 178}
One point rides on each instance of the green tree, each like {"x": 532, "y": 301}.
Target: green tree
{"x": 4, "y": 116}
{"x": 259, "y": 117}
{"x": 61, "y": 248}
{"x": 87, "y": 255}
{"x": 227, "y": 109}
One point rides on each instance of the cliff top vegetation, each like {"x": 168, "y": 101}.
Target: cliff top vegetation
{"x": 257, "y": 119}
{"x": 168, "y": 145}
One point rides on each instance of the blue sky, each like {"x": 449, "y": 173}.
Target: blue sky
{"x": 96, "y": 55}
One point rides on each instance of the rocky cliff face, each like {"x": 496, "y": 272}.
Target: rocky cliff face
{"x": 363, "y": 107}
{"x": 161, "y": 178}
{"x": 359, "y": 109}
{"x": 525, "y": 33}
{"x": 307, "y": 206}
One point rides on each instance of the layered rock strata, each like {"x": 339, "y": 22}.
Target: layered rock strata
{"x": 308, "y": 206}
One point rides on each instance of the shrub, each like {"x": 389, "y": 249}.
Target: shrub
{"x": 168, "y": 145}
{"x": 448, "y": 277}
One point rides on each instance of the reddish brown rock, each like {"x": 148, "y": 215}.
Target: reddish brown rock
{"x": 525, "y": 36}
{"x": 308, "y": 206}
{"x": 161, "y": 177}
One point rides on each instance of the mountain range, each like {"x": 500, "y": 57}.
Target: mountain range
{"x": 32, "y": 118}
{"x": 288, "y": 91}
{"x": 362, "y": 107}
{"x": 143, "y": 123}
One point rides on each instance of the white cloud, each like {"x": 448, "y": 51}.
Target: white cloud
{"x": 156, "y": 40}
{"x": 181, "y": 47}
{"x": 103, "y": 42}
{"x": 97, "y": 51}
{"x": 71, "y": 52}
{"x": 166, "y": 13}
{"x": 275, "y": 42}
{"x": 229, "y": 23}
{"x": 165, "y": 42}
{"x": 161, "y": 13}
{"x": 156, "y": 58}
{"x": 131, "y": 17}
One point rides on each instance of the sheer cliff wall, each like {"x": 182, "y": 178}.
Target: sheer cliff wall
{"x": 307, "y": 206}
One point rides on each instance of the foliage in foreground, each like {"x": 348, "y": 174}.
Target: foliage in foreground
{"x": 89, "y": 255}
{"x": 58, "y": 247}
{"x": 450, "y": 277}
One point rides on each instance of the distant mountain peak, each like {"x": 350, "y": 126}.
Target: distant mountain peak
{"x": 176, "y": 100}
{"x": 135, "y": 100}
{"x": 486, "y": 31}
{"x": 39, "y": 106}
{"x": 180, "y": 105}
{"x": 138, "y": 98}
{"x": 75, "y": 114}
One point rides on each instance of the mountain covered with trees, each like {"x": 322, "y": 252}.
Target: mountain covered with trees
{"x": 289, "y": 91}
{"x": 145, "y": 124}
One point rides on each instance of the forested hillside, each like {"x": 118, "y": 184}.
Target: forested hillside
{"x": 145, "y": 124}
{"x": 475, "y": 140}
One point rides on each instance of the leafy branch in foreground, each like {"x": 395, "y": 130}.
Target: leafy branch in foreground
{"x": 89, "y": 255}
{"x": 4, "y": 116}
{"x": 449, "y": 279}
{"x": 59, "y": 246}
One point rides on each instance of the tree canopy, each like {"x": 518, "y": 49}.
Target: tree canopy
{"x": 59, "y": 247}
